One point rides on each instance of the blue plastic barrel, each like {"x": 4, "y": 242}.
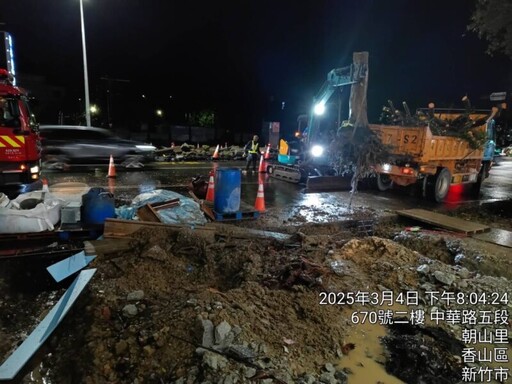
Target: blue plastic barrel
{"x": 227, "y": 190}
{"x": 97, "y": 205}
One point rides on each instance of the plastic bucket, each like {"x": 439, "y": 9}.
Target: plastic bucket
{"x": 227, "y": 190}
{"x": 97, "y": 205}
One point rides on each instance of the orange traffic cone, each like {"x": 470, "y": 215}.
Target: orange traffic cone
{"x": 260, "y": 199}
{"x": 210, "y": 193}
{"x": 111, "y": 185}
{"x": 263, "y": 165}
{"x": 111, "y": 168}
{"x": 216, "y": 153}
{"x": 45, "y": 185}
{"x": 267, "y": 152}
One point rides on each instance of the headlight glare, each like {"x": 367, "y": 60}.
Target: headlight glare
{"x": 317, "y": 150}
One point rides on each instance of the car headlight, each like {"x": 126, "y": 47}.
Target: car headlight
{"x": 145, "y": 148}
{"x": 386, "y": 167}
{"x": 317, "y": 150}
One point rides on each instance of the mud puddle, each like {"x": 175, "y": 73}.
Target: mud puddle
{"x": 400, "y": 352}
{"x": 365, "y": 363}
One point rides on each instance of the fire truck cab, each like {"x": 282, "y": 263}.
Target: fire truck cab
{"x": 20, "y": 144}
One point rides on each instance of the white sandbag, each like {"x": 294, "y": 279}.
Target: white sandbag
{"x": 42, "y": 217}
{"x": 5, "y": 202}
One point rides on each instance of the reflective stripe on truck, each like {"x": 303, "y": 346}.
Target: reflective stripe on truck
{"x": 11, "y": 141}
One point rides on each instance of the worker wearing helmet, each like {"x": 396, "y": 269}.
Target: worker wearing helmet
{"x": 252, "y": 148}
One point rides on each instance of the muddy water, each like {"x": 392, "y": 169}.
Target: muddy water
{"x": 366, "y": 360}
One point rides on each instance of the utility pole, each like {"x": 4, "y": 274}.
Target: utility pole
{"x": 86, "y": 76}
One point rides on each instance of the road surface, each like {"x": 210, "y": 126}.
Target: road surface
{"x": 278, "y": 194}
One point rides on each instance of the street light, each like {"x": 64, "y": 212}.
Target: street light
{"x": 86, "y": 77}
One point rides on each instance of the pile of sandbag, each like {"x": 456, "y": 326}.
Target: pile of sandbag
{"x": 30, "y": 212}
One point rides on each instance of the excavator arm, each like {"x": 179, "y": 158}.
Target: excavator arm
{"x": 336, "y": 78}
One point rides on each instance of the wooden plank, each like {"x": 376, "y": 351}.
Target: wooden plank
{"x": 108, "y": 246}
{"x": 208, "y": 211}
{"x": 148, "y": 212}
{"x": 444, "y": 221}
{"x": 116, "y": 228}
{"x": 165, "y": 204}
{"x": 496, "y": 236}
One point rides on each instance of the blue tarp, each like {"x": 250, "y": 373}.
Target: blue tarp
{"x": 188, "y": 212}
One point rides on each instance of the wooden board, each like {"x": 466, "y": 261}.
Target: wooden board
{"x": 444, "y": 221}
{"x": 117, "y": 228}
{"x": 108, "y": 246}
{"x": 496, "y": 236}
{"x": 149, "y": 212}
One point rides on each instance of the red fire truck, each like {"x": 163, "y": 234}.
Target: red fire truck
{"x": 20, "y": 145}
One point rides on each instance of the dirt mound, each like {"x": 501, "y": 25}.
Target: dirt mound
{"x": 182, "y": 307}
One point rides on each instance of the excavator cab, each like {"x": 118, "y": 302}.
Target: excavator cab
{"x": 284, "y": 156}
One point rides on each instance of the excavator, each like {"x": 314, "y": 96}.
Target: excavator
{"x": 310, "y": 158}
{"x": 429, "y": 151}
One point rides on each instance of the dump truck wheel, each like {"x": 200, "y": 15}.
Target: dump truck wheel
{"x": 384, "y": 182}
{"x": 438, "y": 185}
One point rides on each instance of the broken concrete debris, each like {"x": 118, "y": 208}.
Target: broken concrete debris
{"x": 237, "y": 304}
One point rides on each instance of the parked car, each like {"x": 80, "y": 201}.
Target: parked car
{"x": 64, "y": 145}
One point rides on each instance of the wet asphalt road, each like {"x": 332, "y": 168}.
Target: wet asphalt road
{"x": 278, "y": 194}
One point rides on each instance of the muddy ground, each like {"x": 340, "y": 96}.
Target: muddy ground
{"x": 182, "y": 308}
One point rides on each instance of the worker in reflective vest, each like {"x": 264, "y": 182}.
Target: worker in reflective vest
{"x": 252, "y": 149}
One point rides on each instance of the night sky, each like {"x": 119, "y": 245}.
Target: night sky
{"x": 244, "y": 58}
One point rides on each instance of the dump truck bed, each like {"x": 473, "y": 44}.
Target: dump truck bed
{"x": 422, "y": 146}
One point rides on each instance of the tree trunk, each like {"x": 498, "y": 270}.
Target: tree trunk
{"x": 358, "y": 116}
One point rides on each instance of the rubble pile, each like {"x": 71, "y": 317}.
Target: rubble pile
{"x": 179, "y": 307}
{"x": 188, "y": 152}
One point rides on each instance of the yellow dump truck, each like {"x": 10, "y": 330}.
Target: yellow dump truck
{"x": 435, "y": 162}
